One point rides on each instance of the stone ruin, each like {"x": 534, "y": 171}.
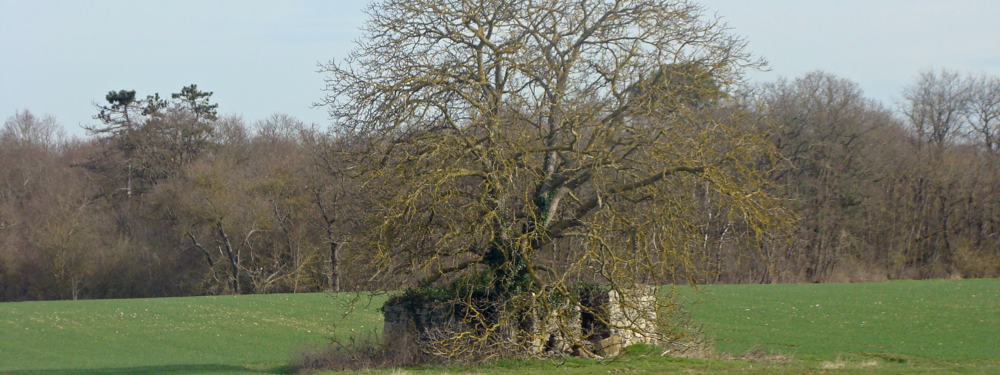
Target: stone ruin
{"x": 557, "y": 332}
{"x": 608, "y": 321}
{"x": 613, "y": 320}
{"x": 407, "y": 322}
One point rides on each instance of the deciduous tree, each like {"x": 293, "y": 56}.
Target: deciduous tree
{"x": 507, "y": 130}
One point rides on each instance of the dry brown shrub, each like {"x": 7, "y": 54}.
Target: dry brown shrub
{"x": 694, "y": 344}
{"x": 851, "y": 270}
{"x": 971, "y": 263}
{"x": 365, "y": 351}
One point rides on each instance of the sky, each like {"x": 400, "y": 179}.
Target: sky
{"x": 260, "y": 57}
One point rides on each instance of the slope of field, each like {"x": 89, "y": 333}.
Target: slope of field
{"x": 950, "y": 320}
{"x": 223, "y": 334}
{"x": 901, "y": 327}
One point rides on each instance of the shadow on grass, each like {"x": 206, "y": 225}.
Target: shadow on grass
{"x": 166, "y": 369}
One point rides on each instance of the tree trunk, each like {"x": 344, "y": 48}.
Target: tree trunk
{"x": 334, "y": 276}
{"x": 233, "y": 260}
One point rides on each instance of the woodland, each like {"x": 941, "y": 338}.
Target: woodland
{"x": 168, "y": 197}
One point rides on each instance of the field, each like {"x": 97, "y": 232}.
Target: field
{"x": 191, "y": 335}
{"x": 897, "y": 327}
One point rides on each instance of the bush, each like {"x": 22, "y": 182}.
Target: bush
{"x": 364, "y": 351}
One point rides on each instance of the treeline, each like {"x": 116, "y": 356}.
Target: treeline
{"x": 883, "y": 193}
{"x": 167, "y": 198}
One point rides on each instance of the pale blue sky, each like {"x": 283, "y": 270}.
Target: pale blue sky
{"x": 259, "y": 57}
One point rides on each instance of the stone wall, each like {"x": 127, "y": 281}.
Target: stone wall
{"x": 557, "y": 332}
{"x": 613, "y": 320}
{"x": 609, "y": 321}
{"x": 406, "y": 323}
{"x": 633, "y": 315}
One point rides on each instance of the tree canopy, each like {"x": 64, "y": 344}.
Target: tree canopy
{"x": 521, "y": 146}
{"x": 154, "y": 136}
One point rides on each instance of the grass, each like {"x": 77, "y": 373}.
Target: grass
{"x": 956, "y": 320}
{"x": 897, "y": 327}
{"x": 191, "y": 335}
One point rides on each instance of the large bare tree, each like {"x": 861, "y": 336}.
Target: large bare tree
{"x": 523, "y": 145}
{"x": 936, "y": 106}
{"x": 984, "y": 110}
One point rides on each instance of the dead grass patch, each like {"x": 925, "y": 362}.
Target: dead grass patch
{"x": 708, "y": 352}
{"x": 760, "y": 355}
{"x": 700, "y": 348}
{"x": 839, "y": 364}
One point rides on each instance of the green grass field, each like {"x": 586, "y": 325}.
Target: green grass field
{"x": 191, "y": 335}
{"x": 957, "y": 321}
{"x": 897, "y": 327}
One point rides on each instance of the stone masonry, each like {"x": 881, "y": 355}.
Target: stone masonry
{"x": 609, "y": 321}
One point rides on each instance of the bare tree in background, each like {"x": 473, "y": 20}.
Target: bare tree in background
{"x": 984, "y": 110}
{"x": 24, "y": 128}
{"x": 936, "y": 106}
{"x": 821, "y": 126}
